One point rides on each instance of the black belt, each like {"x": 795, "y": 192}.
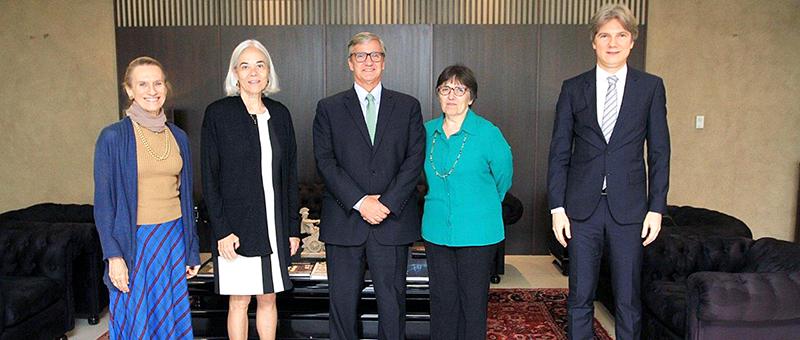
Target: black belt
{"x": 603, "y": 192}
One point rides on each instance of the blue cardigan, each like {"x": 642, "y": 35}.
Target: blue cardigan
{"x": 116, "y": 188}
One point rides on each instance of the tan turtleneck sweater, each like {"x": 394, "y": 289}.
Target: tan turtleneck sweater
{"x": 159, "y": 199}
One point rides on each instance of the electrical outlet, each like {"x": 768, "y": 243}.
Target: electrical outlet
{"x": 699, "y": 122}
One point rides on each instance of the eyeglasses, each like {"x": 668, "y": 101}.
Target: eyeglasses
{"x": 444, "y": 90}
{"x": 362, "y": 56}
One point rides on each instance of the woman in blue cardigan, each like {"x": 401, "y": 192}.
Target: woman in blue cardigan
{"x": 468, "y": 168}
{"x": 143, "y": 212}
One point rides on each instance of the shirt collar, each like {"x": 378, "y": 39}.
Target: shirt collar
{"x": 469, "y": 125}
{"x": 602, "y": 74}
{"x": 361, "y": 93}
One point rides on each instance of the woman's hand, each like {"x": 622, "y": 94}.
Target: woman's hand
{"x": 191, "y": 271}
{"x": 294, "y": 245}
{"x": 118, "y": 273}
{"x": 227, "y": 246}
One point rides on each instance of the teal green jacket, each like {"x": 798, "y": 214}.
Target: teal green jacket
{"x": 465, "y": 207}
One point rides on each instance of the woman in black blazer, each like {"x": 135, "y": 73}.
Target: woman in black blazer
{"x": 249, "y": 169}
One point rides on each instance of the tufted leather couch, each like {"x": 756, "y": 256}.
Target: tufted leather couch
{"x": 697, "y": 287}
{"x": 35, "y": 281}
{"x": 680, "y": 221}
{"x": 90, "y": 295}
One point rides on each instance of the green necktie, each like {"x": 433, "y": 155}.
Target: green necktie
{"x": 372, "y": 116}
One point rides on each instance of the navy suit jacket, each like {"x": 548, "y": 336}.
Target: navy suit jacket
{"x": 352, "y": 167}
{"x": 580, "y": 156}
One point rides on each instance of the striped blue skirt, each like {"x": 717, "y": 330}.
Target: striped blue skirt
{"x": 157, "y": 306}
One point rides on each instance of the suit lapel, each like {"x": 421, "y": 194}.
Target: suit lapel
{"x": 353, "y": 104}
{"x": 628, "y": 98}
{"x": 590, "y": 93}
{"x": 384, "y": 112}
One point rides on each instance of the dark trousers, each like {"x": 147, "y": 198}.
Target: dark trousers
{"x": 459, "y": 287}
{"x": 624, "y": 244}
{"x": 387, "y": 267}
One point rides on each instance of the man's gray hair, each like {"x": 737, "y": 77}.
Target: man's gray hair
{"x": 363, "y": 37}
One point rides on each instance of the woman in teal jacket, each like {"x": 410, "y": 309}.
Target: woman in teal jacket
{"x": 468, "y": 167}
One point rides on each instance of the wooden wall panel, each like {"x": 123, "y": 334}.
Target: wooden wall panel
{"x": 503, "y": 58}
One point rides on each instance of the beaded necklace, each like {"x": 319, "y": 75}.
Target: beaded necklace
{"x": 147, "y": 145}
{"x": 458, "y": 157}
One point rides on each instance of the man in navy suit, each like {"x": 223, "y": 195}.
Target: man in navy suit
{"x": 599, "y": 190}
{"x": 369, "y": 145}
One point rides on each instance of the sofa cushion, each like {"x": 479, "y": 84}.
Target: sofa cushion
{"x": 768, "y": 255}
{"x": 667, "y": 301}
{"x": 52, "y": 212}
{"x": 688, "y": 220}
{"x": 27, "y": 296}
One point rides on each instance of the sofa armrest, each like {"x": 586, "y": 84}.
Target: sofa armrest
{"x": 670, "y": 258}
{"x": 35, "y": 249}
{"x": 750, "y": 297}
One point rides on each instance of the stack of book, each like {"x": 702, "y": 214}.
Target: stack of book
{"x": 301, "y": 269}
{"x": 418, "y": 250}
{"x": 314, "y": 271}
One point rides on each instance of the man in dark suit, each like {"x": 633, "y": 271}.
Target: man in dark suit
{"x": 599, "y": 190}
{"x": 369, "y": 146}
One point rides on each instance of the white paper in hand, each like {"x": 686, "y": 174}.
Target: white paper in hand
{"x": 242, "y": 276}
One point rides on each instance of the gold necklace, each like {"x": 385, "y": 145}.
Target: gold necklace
{"x": 147, "y": 145}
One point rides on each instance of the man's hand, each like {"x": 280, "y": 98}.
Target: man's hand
{"x": 561, "y": 228}
{"x": 651, "y": 227}
{"x": 227, "y": 246}
{"x": 294, "y": 245}
{"x": 372, "y": 210}
{"x": 118, "y": 273}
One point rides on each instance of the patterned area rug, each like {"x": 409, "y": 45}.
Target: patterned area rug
{"x": 531, "y": 314}
{"x": 526, "y": 314}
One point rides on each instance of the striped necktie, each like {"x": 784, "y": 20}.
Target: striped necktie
{"x": 372, "y": 117}
{"x": 610, "y": 111}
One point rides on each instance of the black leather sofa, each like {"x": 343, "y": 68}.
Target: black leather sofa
{"x": 35, "y": 281}
{"x": 90, "y": 294}
{"x": 685, "y": 220}
{"x": 697, "y": 287}
{"x": 679, "y": 221}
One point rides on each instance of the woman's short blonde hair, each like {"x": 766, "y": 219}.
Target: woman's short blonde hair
{"x": 231, "y": 82}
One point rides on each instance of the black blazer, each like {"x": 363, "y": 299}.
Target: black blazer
{"x": 352, "y": 167}
{"x": 580, "y": 156}
{"x": 232, "y": 185}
